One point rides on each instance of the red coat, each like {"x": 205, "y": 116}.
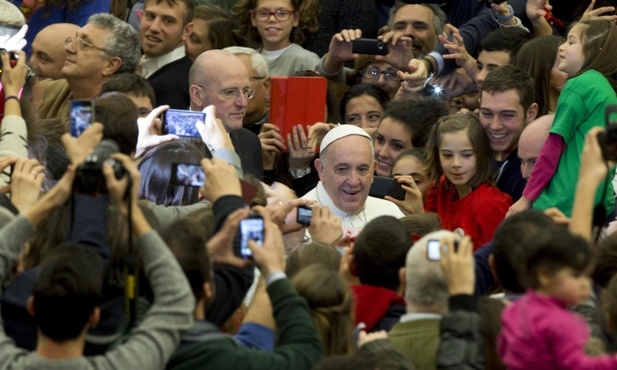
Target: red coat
{"x": 478, "y": 214}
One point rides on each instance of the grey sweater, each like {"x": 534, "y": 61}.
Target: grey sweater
{"x": 150, "y": 344}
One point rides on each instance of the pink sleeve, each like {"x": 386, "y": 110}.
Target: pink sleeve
{"x": 545, "y": 166}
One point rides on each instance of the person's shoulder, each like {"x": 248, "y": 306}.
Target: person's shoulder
{"x": 383, "y": 207}
{"x": 54, "y": 85}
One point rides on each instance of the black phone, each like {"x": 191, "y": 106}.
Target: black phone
{"x": 304, "y": 215}
{"x": 187, "y": 174}
{"x": 608, "y": 138}
{"x": 383, "y": 186}
{"x": 81, "y": 116}
{"x": 603, "y": 3}
{"x": 182, "y": 122}
{"x": 369, "y": 46}
{"x": 251, "y": 228}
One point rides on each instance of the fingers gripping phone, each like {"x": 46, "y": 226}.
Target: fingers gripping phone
{"x": 81, "y": 116}
{"x": 251, "y": 228}
{"x": 182, "y": 122}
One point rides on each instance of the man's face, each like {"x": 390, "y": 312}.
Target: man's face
{"x": 198, "y": 41}
{"x": 258, "y": 106}
{"x": 84, "y": 62}
{"x": 488, "y": 61}
{"x": 48, "y": 55}
{"x": 161, "y": 29}
{"x": 143, "y": 103}
{"x": 346, "y": 172}
{"x": 503, "y": 119}
{"x": 228, "y": 76}
{"x": 416, "y": 21}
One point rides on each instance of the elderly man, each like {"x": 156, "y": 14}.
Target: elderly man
{"x": 104, "y": 46}
{"x": 426, "y": 297}
{"x": 220, "y": 78}
{"x": 346, "y": 167}
{"x": 163, "y": 30}
{"x": 531, "y": 141}
{"x": 47, "y": 54}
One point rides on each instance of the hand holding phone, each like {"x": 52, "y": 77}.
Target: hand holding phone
{"x": 369, "y": 46}
{"x": 182, "y": 122}
{"x": 383, "y": 186}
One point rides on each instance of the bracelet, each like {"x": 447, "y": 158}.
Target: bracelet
{"x": 430, "y": 69}
{"x": 7, "y": 98}
{"x": 499, "y": 19}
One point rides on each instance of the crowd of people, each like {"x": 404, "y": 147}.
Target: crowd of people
{"x": 452, "y": 208}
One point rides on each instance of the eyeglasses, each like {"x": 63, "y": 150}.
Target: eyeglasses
{"x": 374, "y": 73}
{"x": 79, "y": 43}
{"x": 280, "y": 15}
{"x": 233, "y": 93}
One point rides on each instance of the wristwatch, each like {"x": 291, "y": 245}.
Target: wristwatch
{"x": 297, "y": 173}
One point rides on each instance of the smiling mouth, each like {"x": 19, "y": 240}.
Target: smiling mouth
{"x": 497, "y": 136}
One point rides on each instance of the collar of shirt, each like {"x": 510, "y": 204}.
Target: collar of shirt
{"x": 419, "y": 316}
{"x": 151, "y": 65}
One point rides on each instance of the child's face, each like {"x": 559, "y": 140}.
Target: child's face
{"x": 273, "y": 31}
{"x": 457, "y": 158}
{"x": 412, "y": 166}
{"x": 567, "y": 285}
{"x": 571, "y": 51}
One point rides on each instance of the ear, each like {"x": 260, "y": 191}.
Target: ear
{"x": 320, "y": 167}
{"x": 30, "y": 306}
{"x": 208, "y": 292}
{"x": 94, "y": 318}
{"x": 186, "y": 32}
{"x": 112, "y": 66}
{"x": 374, "y": 167}
{"x": 197, "y": 96}
{"x": 402, "y": 278}
{"x": 267, "y": 84}
{"x": 544, "y": 277}
{"x": 296, "y": 19}
{"x": 491, "y": 265}
{"x": 532, "y": 113}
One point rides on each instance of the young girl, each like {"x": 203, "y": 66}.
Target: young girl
{"x": 459, "y": 163}
{"x": 537, "y": 330}
{"x": 280, "y": 26}
{"x": 589, "y": 58}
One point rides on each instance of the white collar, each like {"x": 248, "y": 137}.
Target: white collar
{"x": 151, "y": 65}
{"x": 419, "y": 316}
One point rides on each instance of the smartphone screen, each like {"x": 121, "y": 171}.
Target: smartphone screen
{"x": 187, "y": 174}
{"x": 251, "y": 228}
{"x": 305, "y": 214}
{"x": 8, "y": 30}
{"x": 433, "y": 252}
{"x": 81, "y": 116}
{"x": 182, "y": 122}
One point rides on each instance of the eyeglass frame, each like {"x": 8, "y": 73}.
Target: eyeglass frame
{"x": 71, "y": 40}
{"x": 270, "y": 14}
{"x": 384, "y": 72}
{"x": 236, "y": 92}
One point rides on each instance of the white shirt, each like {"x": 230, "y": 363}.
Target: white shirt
{"x": 151, "y": 65}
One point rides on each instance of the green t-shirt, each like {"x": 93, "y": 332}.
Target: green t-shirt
{"x": 581, "y": 106}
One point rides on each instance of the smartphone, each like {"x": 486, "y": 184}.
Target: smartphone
{"x": 251, "y": 228}
{"x": 187, "y": 174}
{"x": 182, "y": 122}
{"x": 433, "y": 250}
{"x": 8, "y": 30}
{"x": 81, "y": 116}
{"x": 369, "y": 46}
{"x": 304, "y": 216}
{"x": 608, "y": 138}
{"x": 383, "y": 186}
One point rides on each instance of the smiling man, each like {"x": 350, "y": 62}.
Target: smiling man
{"x": 506, "y": 107}
{"x": 47, "y": 55}
{"x": 163, "y": 30}
{"x": 345, "y": 167}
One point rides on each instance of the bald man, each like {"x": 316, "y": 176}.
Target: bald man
{"x": 531, "y": 141}
{"x": 220, "y": 78}
{"x": 48, "y": 55}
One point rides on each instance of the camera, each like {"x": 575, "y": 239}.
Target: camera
{"x": 305, "y": 215}
{"x": 488, "y": 3}
{"x": 12, "y": 58}
{"x": 89, "y": 177}
{"x": 369, "y": 46}
{"x": 433, "y": 249}
{"x": 608, "y": 138}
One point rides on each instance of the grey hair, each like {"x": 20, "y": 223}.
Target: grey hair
{"x": 426, "y": 284}
{"x": 11, "y": 14}
{"x": 122, "y": 40}
{"x": 257, "y": 60}
{"x": 439, "y": 16}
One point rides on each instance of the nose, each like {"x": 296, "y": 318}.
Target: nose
{"x": 526, "y": 170}
{"x": 480, "y": 78}
{"x": 241, "y": 101}
{"x": 155, "y": 25}
{"x": 409, "y": 31}
{"x": 353, "y": 179}
{"x": 495, "y": 123}
{"x": 381, "y": 151}
{"x": 69, "y": 47}
{"x": 364, "y": 122}
{"x": 456, "y": 161}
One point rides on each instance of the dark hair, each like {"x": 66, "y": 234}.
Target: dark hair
{"x": 476, "y": 135}
{"x": 511, "y": 240}
{"x": 550, "y": 252}
{"x": 418, "y": 116}
{"x": 508, "y": 40}
{"x": 55, "y": 160}
{"x": 606, "y": 265}
{"x": 156, "y": 170}
{"x": 379, "y": 252}
{"x": 490, "y": 311}
{"x": 118, "y": 114}
{"x": 364, "y": 89}
{"x": 420, "y": 224}
{"x": 599, "y": 39}
{"x": 187, "y": 238}
{"x": 330, "y": 306}
{"x": 308, "y": 13}
{"x": 209, "y": 12}
{"x": 508, "y": 78}
{"x": 535, "y": 59}
{"x": 67, "y": 290}
{"x": 312, "y": 253}
{"x": 189, "y": 7}
{"x": 130, "y": 84}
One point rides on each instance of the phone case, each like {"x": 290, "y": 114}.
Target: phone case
{"x": 369, "y": 46}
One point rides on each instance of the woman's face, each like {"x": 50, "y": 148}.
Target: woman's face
{"x": 363, "y": 111}
{"x": 389, "y": 81}
{"x": 412, "y": 166}
{"x": 198, "y": 40}
{"x": 391, "y": 140}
